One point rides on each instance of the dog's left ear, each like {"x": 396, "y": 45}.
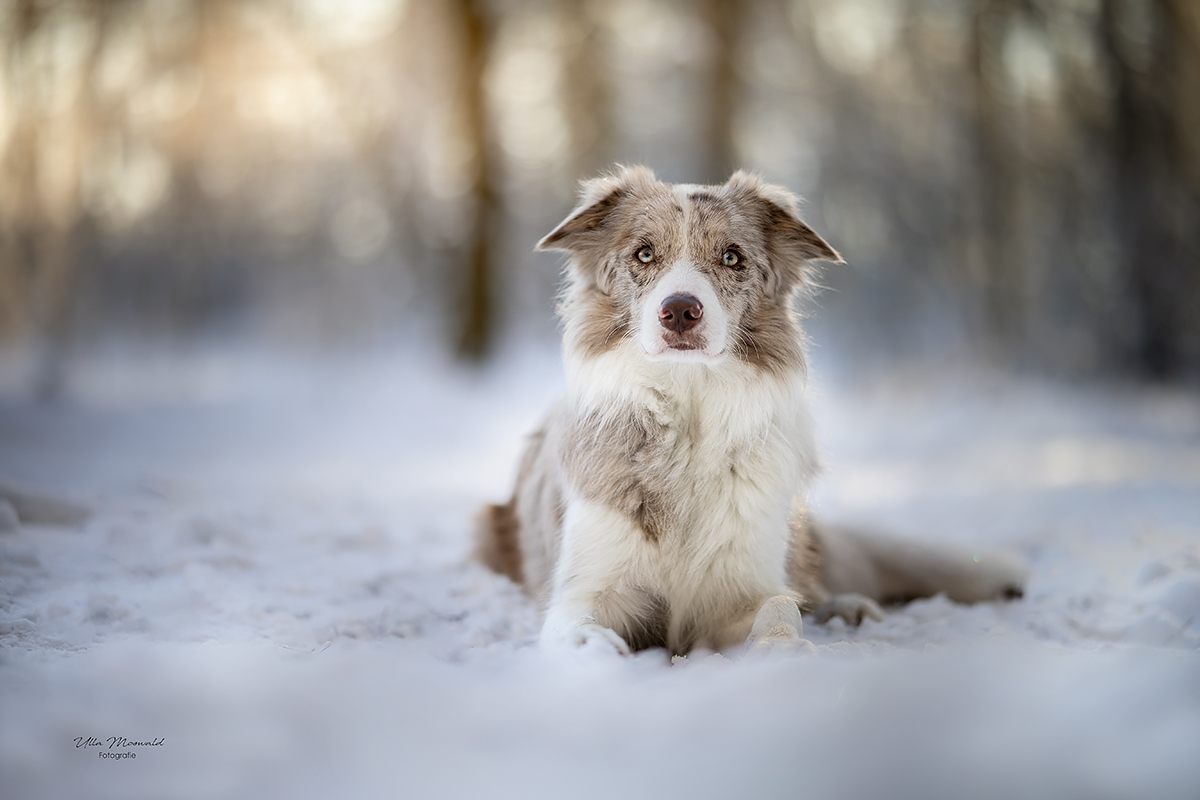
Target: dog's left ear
{"x": 791, "y": 243}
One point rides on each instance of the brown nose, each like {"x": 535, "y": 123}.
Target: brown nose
{"x": 680, "y": 312}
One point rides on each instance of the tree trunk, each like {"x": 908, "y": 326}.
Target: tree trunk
{"x": 1151, "y": 170}
{"x": 588, "y": 99}
{"x": 998, "y": 229}
{"x": 473, "y": 308}
{"x": 723, "y": 19}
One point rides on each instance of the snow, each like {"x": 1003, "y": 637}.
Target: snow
{"x": 274, "y": 582}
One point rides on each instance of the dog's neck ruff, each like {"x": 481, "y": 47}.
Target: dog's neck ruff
{"x": 732, "y": 402}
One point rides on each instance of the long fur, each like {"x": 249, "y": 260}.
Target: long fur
{"x": 658, "y": 505}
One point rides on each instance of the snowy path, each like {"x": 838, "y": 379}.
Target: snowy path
{"x": 274, "y": 584}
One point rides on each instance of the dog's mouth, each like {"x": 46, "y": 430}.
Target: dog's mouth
{"x": 685, "y": 347}
{"x": 682, "y": 342}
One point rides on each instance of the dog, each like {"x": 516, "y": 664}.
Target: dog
{"x": 659, "y": 504}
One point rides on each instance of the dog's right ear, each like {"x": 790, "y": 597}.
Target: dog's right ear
{"x": 598, "y": 198}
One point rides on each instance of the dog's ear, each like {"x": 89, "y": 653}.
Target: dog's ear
{"x": 791, "y": 243}
{"x": 598, "y": 198}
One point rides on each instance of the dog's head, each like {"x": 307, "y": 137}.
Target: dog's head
{"x": 691, "y": 273}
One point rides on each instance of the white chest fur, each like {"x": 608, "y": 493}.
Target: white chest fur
{"x": 735, "y": 448}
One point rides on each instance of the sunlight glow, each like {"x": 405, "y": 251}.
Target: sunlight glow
{"x": 855, "y": 34}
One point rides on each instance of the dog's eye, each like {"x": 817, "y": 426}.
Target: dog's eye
{"x": 731, "y": 258}
{"x": 646, "y": 254}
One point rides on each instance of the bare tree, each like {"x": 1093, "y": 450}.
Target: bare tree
{"x": 1155, "y": 180}
{"x": 473, "y": 308}
{"x": 997, "y": 167}
{"x": 724, "y": 20}
{"x": 588, "y": 96}
{"x": 49, "y": 221}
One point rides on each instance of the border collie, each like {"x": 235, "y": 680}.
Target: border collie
{"x": 660, "y": 502}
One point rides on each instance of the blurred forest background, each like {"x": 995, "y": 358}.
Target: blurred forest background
{"x": 1015, "y": 178}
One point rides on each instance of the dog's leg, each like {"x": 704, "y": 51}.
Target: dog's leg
{"x": 573, "y": 625}
{"x": 598, "y": 548}
{"x": 777, "y": 625}
{"x": 807, "y": 564}
{"x": 850, "y": 606}
{"x": 497, "y": 540}
{"x": 774, "y": 624}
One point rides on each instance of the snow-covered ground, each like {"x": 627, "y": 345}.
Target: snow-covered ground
{"x": 274, "y": 587}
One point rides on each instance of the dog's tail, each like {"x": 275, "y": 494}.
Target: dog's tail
{"x": 496, "y": 539}
{"x": 891, "y": 570}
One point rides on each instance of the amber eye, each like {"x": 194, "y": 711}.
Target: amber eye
{"x": 646, "y": 254}
{"x": 731, "y": 258}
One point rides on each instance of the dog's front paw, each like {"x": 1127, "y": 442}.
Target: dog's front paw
{"x": 851, "y": 607}
{"x": 777, "y": 626}
{"x": 584, "y": 634}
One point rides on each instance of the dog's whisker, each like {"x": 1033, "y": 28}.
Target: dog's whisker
{"x": 618, "y": 327}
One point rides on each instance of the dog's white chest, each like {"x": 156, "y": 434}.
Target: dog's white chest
{"x": 741, "y": 439}
{"x": 724, "y": 455}
{"x": 680, "y": 479}
{"x": 726, "y": 468}
{"x": 737, "y": 465}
